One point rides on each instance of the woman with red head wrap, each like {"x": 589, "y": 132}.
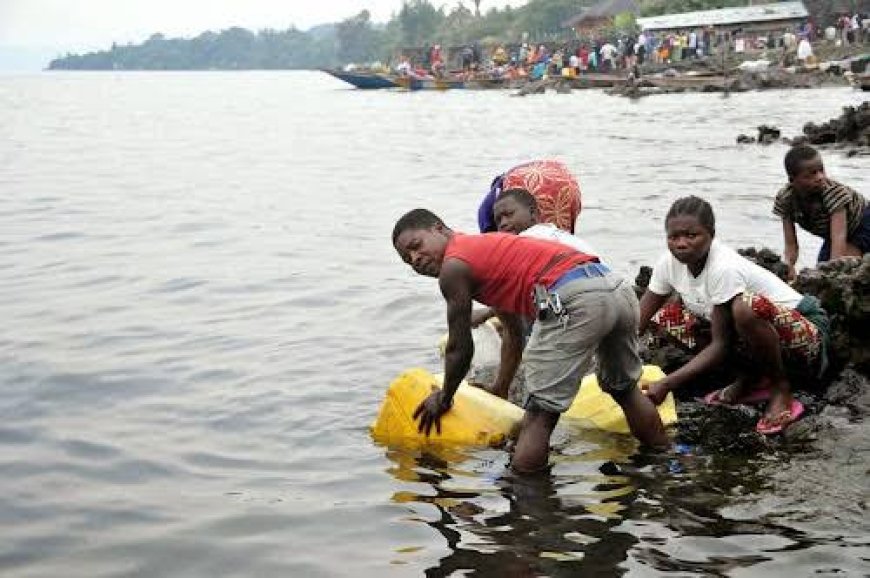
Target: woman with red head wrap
{"x": 555, "y": 189}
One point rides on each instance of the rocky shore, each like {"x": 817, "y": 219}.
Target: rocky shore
{"x": 850, "y": 131}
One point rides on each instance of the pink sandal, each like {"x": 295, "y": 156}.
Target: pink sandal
{"x": 778, "y": 423}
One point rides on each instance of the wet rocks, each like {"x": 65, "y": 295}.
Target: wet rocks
{"x": 767, "y": 259}
{"x": 766, "y": 135}
{"x": 720, "y": 428}
{"x": 843, "y": 287}
{"x": 851, "y": 128}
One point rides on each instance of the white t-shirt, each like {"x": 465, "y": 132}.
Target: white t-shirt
{"x": 805, "y": 49}
{"x": 551, "y": 232}
{"x": 725, "y": 275}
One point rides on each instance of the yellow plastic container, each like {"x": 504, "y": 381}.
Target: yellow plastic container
{"x": 476, "y": 418}
{"x": 595, "y": 409}
{"x": 482, "y": 419}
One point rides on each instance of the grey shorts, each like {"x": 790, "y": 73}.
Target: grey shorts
{"x": 603, "y": 315}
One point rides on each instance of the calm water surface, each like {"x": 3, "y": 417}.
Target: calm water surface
{"x": 202, "y": 309}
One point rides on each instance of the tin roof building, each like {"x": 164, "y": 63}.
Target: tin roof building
{"x": 761, "y": 17}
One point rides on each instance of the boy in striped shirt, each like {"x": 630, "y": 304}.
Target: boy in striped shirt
{"x": 822, "y": 206}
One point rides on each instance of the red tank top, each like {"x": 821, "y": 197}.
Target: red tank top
{"x": 507, "y": 267}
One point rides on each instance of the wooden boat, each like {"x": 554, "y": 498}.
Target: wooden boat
{"x": 365, "y": 80}
{"x": 593, "y": 80}
{"x": 705, "y": 83}
{"x": 426, "y": 83}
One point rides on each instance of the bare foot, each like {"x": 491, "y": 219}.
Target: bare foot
{"x": 743, "y": 385}
{"x": 780, "y": 400}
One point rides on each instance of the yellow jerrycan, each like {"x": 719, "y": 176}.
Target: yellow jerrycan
{"x": 482, "y": 419}
{"x": 476, "y": 418}
{"x": 592, "y": 408}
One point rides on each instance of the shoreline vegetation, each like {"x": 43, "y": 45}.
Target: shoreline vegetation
{"x": 358, "y": 39}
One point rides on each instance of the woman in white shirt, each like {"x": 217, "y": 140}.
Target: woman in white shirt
{"x": 739, "y": 299}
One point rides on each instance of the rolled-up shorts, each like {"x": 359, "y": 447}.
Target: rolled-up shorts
{"x": 860, "y": 237}
{"x": 603, "y": 315}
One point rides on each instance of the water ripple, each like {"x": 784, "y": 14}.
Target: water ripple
{"x": 202, "y": 309}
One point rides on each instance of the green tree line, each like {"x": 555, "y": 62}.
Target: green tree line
{"x": 418, "y": 23}
{"x": 357, "y": 39}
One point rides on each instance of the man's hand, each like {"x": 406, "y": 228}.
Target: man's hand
{"x": 657, "y": 391}
{"x": 430, "y": 412}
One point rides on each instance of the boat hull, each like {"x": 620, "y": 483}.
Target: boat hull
{"x": 363, "y": 80}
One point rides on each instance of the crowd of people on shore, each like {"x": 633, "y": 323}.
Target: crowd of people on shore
{"x": 604, "y": 54}
{"x": 564, "y": 313}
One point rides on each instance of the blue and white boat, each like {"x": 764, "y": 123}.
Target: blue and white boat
{"x": 363, "y": 79}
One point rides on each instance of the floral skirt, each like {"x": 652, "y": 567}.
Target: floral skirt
{"x": 800, "y": 340}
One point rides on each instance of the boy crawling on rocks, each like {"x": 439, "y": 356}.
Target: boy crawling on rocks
{"x": 822, "y": 206}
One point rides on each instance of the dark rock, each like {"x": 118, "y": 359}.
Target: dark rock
{"x": 720, "y": 428}
{"x": 643, "y": 277}
{"x": 843, "y": 287}
{"x": 767, "y": 259}
{"x": 745, "y": 139}
{"x": 850, "y": 390}
{"x": 768, "y": 134}
{"x": 852, "y": 128}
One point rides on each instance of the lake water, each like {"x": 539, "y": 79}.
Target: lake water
{"x": 202, "y": 310}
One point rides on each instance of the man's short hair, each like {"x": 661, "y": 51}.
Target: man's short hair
{"x": 522, "y": 196}
{"x": 797, "y": 155}
{"x": 416, "y": 219}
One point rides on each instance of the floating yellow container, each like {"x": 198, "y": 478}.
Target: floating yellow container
{"x": 476, "y": 418}
{"x": 480, "y": 418}
{"x": 595, "y": 409}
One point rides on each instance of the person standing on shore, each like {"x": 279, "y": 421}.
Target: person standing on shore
{"x": 804, "y": 51}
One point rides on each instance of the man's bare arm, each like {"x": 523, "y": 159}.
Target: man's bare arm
{"x": 455, "y": 282}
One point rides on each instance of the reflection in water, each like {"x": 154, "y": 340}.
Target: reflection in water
{"x": 603, "y": 509}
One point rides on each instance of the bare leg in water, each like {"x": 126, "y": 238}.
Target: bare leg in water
{"x": 643, "y": 418}
{"x": 532, "y": 449}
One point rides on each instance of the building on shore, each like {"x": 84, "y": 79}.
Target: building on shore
{"x": 600, "y": 15}
{"x": 749, "y": 20}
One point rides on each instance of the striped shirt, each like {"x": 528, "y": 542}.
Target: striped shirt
{"x": 813, "y": 212}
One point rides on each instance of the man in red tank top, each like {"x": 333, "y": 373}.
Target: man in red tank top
{"x": 580, "y": 310}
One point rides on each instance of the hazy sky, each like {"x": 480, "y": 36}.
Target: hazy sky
{"x": 77, "y": 25}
